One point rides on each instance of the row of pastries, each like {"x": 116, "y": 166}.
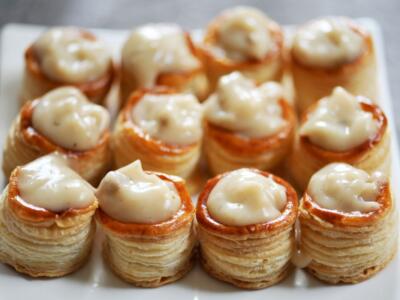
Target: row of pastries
{"x": 333, "y": 146}
{"x": 244, "y": 224}
{"x": 334, "y": 51}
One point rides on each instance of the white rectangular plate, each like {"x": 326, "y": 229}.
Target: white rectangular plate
{"x": 95, "y": 281}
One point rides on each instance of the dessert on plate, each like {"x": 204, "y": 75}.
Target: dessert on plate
{"x": 63, "y": 120}
{"x": 46, "y": 219}
{"x": 348, "y": 224}
{"x": 243, "y": 39}
{"x": 340, "y": 128}
{"x": 330, "y": 52}
{"x": 246, "y": 227}
{"x": 161, "y": 54}
{"x": 247, "y": 125}
{"x": 67, "y": 56}
{"x": 148, "y": 222}
{"x": 162, "y": 128}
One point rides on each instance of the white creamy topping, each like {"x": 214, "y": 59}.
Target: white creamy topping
{"x": 66, "y": 117}
{"x": 339, "y": 123}
{"x": 155, "y": 49}
{"x": 50, "y": 184}
{"x": 244, "y": 197}
{"x": 67, "y": 56}
{"x": 244, "y": 34}
{"x": 131, "y": 195}
{"x": 327, "y": 43}
{"x": 344, "y": 188}
{"x": 171, "y": 118}
{"x": 241, "y": 106}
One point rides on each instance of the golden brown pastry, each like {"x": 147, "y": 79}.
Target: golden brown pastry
{"x": 243, "y": 39}
{"x": 161, "y": 54}
{"x": 147, "y": 219}
{"x": 245, "y": 227}
{"x": 46, "y": 219}
{"x": 162, "y": 128}
{"x": 329, "y": 52}
{"x": 63, "y": 120}
{"x": 67, "y": 56}
{"x": 246, "y": 125}
{"x": 348, "y": 224}
{"x": 340, "y": 128}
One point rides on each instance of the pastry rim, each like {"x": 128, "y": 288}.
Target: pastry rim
{"x": 287, "y": 218}
{"x": 180, "y": 218}
{"x": 91, "y": 88}
{"x": 32, "y": 213}
{"x": 210, "y": 38}
{"x": 356, "y": 219}
{"x": 240, "y": 144}
{"x": 347, "y": 67}
{"x": 353, "y": 153}
{"x": 37, "y": 140}
{"x": 134, "y": 131}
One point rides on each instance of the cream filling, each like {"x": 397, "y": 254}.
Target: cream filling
{"x": 344, "y": 188}
{"x": 50, "y": 184}
{"x": 244, "y": 197}
{"x": 67, "y": 118}
{"x": 327, "y": 43}
{"x": 65, "y": 55}
{"x": 339, "y": 123}
{"x": 155, "y": 49}
{"x": 239, "y": 105}
{"x": 133, "y": 196}
{"x": 173, "y": 119}
{"x": 244, "y": 34}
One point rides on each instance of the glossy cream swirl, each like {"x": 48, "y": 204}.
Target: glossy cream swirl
{"x": 154, "y": 49}
{"x": 339, "y": 123}
{"x": 244, "y": 34}
{"x": 49, "y": 183}
{"x": 344, "y": 188}
{"x": 327, "y": 43}
{"x": 66, "y": 55}
{"x": 171, "y": 118}
{"x": 239, "y": 105}
{"x": 131, "y": 195}
{"x": 244, "y": 197}
{"x": 66, "y": 117}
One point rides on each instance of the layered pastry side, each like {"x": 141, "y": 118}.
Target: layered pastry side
{"x": 246, "y": 227}
{"x": 67, "y": 56}
{"x": 247, "y": 125}
{"x": 162, "y": 128}
{"x": 348, "y": 224}
{"x": 332, "y": 51}
{"x": 243, "y": 39}
{"x": 161, "y": 54}
{"x": 62, "y": 120}
{"x": 147, "y": 218}
{"x": 340, "y": 128}
{"x": 46, "y": 219}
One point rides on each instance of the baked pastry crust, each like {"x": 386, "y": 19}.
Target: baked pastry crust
{"x": 271, "y": 67}
{"x": 226, "y": 150}
{"x": 371, "y": 155}
{"x": 36, "y": 83}
{"x": 24, "y": 144}
{"x": 359, "y": 77}
{"x": 252, "y": 256}
{"x": 129, "y": 143}
{"x": 194, "y": 81}
{"x": 152, "y": 255}
{"x": 345, "y": 247}
{"x": 41, "y": 243}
